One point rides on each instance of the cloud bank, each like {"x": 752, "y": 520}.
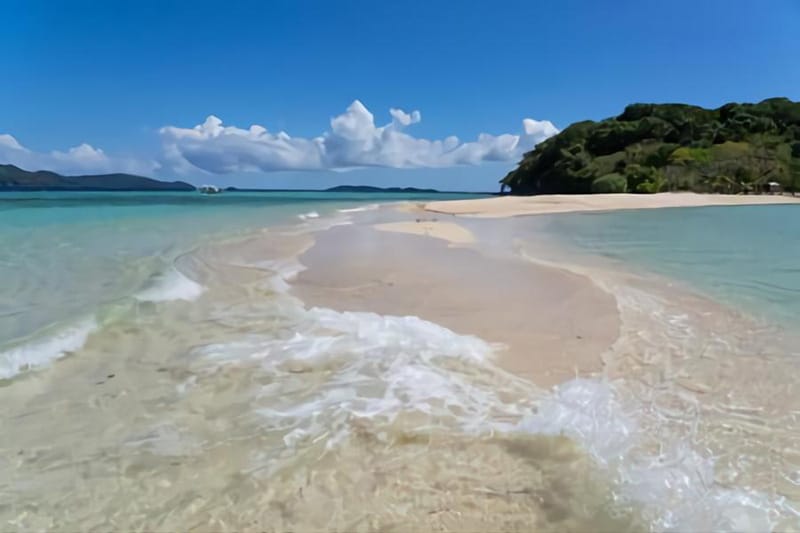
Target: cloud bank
{"x": 81, "y": 159}
{"x": 353, "y": 141}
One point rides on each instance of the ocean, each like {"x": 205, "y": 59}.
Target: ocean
{"x": 157, "y": 373}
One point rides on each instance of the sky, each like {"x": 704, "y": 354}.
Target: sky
{"x": 307, "y": 94}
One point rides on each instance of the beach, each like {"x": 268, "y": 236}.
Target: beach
{"x": 519, "y": 267}
{"x": 555, "y": 318}
{"x": 362, "y": 365}
{"x": 506, "y": 206}
{"x": 549, "y": 325}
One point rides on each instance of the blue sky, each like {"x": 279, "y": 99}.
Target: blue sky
{"x": 112, "y": 75}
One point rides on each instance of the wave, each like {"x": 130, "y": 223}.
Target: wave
{"x": 369, "y": 207}
{"x": 170, "y": 286}
{"x": 421, "y": 367}
{"x": 39, "y": 352}
{"x": 676, "y": 484}
{"x": 634, "y": 427}
{"x": 309, "y": 215}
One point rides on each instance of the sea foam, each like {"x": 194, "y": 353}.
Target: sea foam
{"x": 169, "y": 286}
{"x": 368, "y": 207}
{"x": 39, "y": 352}
{"x": 383, "y": 367}
{"x": 676, "y": 485}
{"x": 309, "y": 215}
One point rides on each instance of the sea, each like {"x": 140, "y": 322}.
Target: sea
{"x": 157, "y": 373}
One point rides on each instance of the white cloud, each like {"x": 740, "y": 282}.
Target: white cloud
{"x": 81, "y": 159}
{"x": 7, "y": 142}
{"x": 352, "y": 141}
{"x": 403, "y": 118}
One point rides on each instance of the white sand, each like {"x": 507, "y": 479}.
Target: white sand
{"x": 506, "y": 206}
{"x": 553, "y": 324}
{"x": 447, "y": 231}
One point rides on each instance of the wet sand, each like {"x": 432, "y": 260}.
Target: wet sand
{"x": 507, "y": 206}
{"x": 553, "y": 324}
{"x": 448, "y": 231}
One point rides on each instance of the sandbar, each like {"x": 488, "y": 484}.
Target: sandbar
{"x": 507, "y": 206}
{"x": 551, "y": 325}
{"x": 447, "y": 231}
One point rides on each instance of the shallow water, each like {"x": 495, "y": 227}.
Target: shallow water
{"x": 68, "y": 259}
{"x": 245, "y": 410}
{"x": 230, "y": 405}
{"x": 705, "y": 370}
{"x": 746, "y": 256}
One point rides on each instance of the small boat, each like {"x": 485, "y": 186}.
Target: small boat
{"x": 209, "y": 189}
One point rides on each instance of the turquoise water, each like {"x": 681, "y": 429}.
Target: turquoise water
{"x": 67, "y": 256}
{"x": 150, "y": 348}
{"x": 745, "y": 256}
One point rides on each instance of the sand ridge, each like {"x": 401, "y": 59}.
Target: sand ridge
{"x": 554, "y": 324}
{"x": 447, "y": 231}
{"x": 507, "y": 206}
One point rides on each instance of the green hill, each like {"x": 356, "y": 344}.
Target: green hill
{"x": 669, "y": 147}
{"x": 13, "y": 178}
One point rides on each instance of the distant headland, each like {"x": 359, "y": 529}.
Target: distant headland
{"x": 650, "y": 148}
{"x": 13, "y": 178}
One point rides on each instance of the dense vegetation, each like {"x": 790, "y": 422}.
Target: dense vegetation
{"x": 16, "y": 179}
{"x": 737, "y": 148}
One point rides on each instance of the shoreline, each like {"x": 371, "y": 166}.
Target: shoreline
{"x": 660, "y": 365}
{"x": 422, "y": 415}
{"x": 510, "y": 206}
{"x": 547, "y": 324}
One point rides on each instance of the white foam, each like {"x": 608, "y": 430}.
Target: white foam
{"x": 587, "y": 410}
{"x": 39, "y": 352}
{"x": 368, "y": 207}
{"x": 169, "y": 286}
{"x": 309, "y": 215}
{"x": 382, "y": 367}
{"x": 285, "y": 271}
{"x": 677, "y": 484}
{"x": 375, "y": 366}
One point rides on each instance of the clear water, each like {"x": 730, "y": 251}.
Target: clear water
{"x": 744, "y": 256}
{"x": 66, "y": 258}
{"x": 195, "y": 392}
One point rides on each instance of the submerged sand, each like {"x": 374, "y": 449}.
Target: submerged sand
{"x": 507, "y": 206}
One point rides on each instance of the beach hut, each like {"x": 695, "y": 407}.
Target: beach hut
{"x": 773, "y": 187}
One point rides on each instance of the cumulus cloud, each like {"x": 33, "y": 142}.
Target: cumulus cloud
{"x": 353, "y": 140}
{"x": 81, "y": 159}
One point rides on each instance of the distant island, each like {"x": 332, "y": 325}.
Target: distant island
{"x": 649, "y": 148}
{"x": 13, "y": 178}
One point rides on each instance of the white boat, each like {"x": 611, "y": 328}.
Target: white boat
{"x": 209, "y": 189}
